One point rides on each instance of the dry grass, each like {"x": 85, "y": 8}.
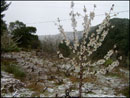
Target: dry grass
{"x": 73, "y": 79}
{"x": 91, "y": 79}
{"x": 7, "y": 61}
{"x": 36, "y": 87}
{"x": 11, "y": 66}
{"x": 125, "y": 91}
{"x": 117, "y": 73}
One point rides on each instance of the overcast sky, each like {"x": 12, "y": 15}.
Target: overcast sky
{"x": 41, "y": 14}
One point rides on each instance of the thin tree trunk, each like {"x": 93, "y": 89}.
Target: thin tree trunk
{"x": 80, "y": 82}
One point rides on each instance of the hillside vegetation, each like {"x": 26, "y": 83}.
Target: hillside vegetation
{"x": 119, "y": 35}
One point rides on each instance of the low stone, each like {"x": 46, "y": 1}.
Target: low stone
{"x": 50, "y": 90}
{"x": 54, "y": 69}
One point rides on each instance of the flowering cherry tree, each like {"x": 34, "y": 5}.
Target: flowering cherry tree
{"x": 83, "y": 50}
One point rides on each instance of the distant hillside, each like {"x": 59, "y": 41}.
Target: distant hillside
{"x": 119, "y": 35}
{"x": 60, "y": 37}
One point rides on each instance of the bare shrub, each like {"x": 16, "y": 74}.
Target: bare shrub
{"x": 7, "y": 43}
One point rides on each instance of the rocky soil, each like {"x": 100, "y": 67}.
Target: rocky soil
{"x": 47, "y": 79}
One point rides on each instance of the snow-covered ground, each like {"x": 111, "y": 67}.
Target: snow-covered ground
{"x": 53, "y": 83}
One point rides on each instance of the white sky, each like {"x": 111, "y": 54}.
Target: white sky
{"x": 34, "y": 13}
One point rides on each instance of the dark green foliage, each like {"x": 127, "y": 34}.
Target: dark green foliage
{"x": 121, "y": 34}
{"x": 7, "y": 44}
{"x": 4, "y": 7}
{"x": 108, "y": 62}
{"x": 48, "y": 47}
{"x": 24, "y": 34}
{"x": 11, "y": 67}
{"x": 118, "y": 35}
{"x": 125, "y": 91}
{"x": 64, "y": 49}
{"x": 14, "y": 70}
{"x": 10, "y": 49}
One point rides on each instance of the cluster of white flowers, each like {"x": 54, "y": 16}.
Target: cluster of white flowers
{"x": 93, "y": 64}
{"x": 60, "y": 55}
{"x": 100, "y": 62}
{"x": 67, "y": 42}
{"x": 60, "y": 28}
{"x": 107, "y": 69}
{"x": 111, "y": 66}
{"x": 96, "y": 41}
{"x": 88, "y": 63}
{"x": 73, "y": 62}
{"x": 77, "y": 69}
{"x": 58, "y": 52}
{"x": 84, "y": 57}
{"x": 109, "y": 54}
{"x": 76, "y": 44}
{"x": 83, "y": 51}
{"x": 120, "y": 58}
{"x": 101, "y": 71}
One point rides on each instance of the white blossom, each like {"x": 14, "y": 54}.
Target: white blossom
{"x": 83, "y": 51}
{"x": 61, "y": 56}
{"x": 67, "y": 42}
{"x": 116, "y": 51}
{"x": 85, "y": 58}
{"x": 89, "y": 53}
{"x": 108, "y": 55}
{"x": 58, "y": 52}
{"x": 79, "y": 57}
{"x": 102, "y": 71}
{"x": 120, "y": 58}
{"x": 97, "y": 37}
{"x": 77, "y": 69}
{"x": 94, "y": 64}
{"x": 115, "y": 46}
{"x": 88, "y": 63}
{"x": 73, "y": 51}
{"x": 61, "y": 42}
{"x": 111, "y": 66}
{"x": 112, "y": 26}
{"x": 102, "y": 61}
